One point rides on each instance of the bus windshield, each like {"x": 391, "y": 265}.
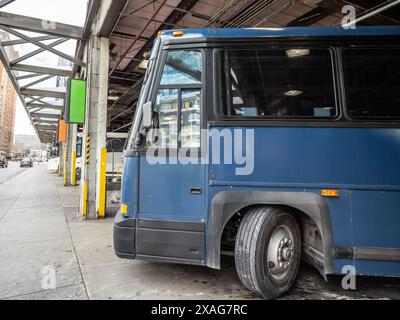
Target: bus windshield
{"x": 142, "y": 97}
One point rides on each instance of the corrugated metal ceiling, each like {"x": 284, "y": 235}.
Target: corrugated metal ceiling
{"x": 126, "y": 79}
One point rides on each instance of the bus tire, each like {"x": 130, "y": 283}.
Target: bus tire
{"x": 268, "y": 251}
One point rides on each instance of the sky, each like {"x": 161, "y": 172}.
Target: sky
{"x": 70, "y": 12}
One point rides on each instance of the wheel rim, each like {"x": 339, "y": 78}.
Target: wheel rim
{"x": 281, "y": 251}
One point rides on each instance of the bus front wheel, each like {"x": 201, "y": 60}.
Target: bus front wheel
{"x": 268, "y": 251}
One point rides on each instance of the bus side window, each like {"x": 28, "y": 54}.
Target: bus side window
{"x": 289, "y": 82}
{"x": 373, "y": 82}
{"x": 178, "y": 102}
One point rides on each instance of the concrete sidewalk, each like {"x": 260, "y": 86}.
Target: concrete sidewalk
{"x": 41, "y": 230}
{"x": 40, "y": 227}
{"x": 34, "y": 234}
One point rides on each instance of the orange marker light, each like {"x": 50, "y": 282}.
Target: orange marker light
{"x": 330, "y": 193}
{"x": 178, "y": 33}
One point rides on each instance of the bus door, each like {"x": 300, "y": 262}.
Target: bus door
{"x": 171, "y": 209}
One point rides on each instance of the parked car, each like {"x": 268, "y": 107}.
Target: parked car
{"x": 3, "y": 163}
{"x": 26, "y": 162}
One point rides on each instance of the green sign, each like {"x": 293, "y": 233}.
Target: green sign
{"x": 76, "y": 101}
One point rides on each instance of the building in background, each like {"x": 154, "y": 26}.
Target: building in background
{"x": 29, "y": 145}
{"x": 27, "y": 141}
{"x": 7, "y": 104}
{"x": 62, "y": 82}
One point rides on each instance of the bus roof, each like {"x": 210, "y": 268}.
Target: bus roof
{"x": 337, "y": 31}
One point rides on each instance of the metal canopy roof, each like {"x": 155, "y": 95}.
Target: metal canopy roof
{"x": 44, "y": 106}
{"x": 132, "y": 26}
{"x": 141, "y": 20}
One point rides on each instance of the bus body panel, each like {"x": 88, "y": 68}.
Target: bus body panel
{"x": 180, "y": 189}
{"x": 346, "y": 158}
{"x": 376, "y": 218}
{"x": 171, "y": 211}
{"x": 125, "y": 223}
{"x": 362, "y": 163}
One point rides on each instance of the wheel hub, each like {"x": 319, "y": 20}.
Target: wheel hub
{"x": 281, "y": 251}
{"x": 285, "y": 253}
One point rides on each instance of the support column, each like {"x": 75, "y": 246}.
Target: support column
{"x": 93, "y": 182}
{"x": 61, "y": 159}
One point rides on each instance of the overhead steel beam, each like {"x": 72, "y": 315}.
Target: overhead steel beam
{"x": 43, "y": 93}
{"x": 45, "y": 135}
{"x": 49, "y": 131}
{"x": 41, "y": 102}
{"x": 43, "y": 106}
{"x": 36, "y": 52}
{"x": 11, "y": 75}
{"x": 142, "y": 30}
{"x": 119, "y": 34}
{"x": 45, "y": 115}
{"x": 28, "y": 76}
{"x": 42, "y": 45}
{"x": 193, "y": 13}
{"x": 44, "y": 122}
{"x": 49, "y": 128}
{"x": 311, "y": 17}
{"x": 15, "y": 42}
{"x": 373, "y": 12}
{"x": 93, "y": 7}
{"x": 34, "y": 110}
{"x": 40, "y": 26}
{"x": 112, "y": 17}
{"x": 122, "y": 127}
{"x": 41, "y": 70}
{"x": 37, "y": 81}
{"x": 175, "y": 16}
{"x": 3, "y": 3}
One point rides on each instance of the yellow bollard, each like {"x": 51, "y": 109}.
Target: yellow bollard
{"x": 73, "y": 173}
{"x": 65, "y": 167}
{"x": 103, "y": 191}
{"x": 84, "y": 200}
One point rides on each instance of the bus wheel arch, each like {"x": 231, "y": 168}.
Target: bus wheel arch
{"x": 309, "y": 210}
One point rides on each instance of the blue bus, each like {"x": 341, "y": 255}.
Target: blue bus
{"x": 271, "y": 145}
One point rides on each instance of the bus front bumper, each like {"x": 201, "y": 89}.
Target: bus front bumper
{"x": 124, "y": 236}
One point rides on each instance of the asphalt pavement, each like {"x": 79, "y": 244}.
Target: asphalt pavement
{"x": 48, "y": 252}
{"x": 10, "y": 172}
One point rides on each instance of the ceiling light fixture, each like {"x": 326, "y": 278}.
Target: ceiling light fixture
{"x": 293, "y": 53}
{"x": 293, "y": 93}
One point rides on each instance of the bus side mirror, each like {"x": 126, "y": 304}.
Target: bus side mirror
{"x": 147, "y": 115}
